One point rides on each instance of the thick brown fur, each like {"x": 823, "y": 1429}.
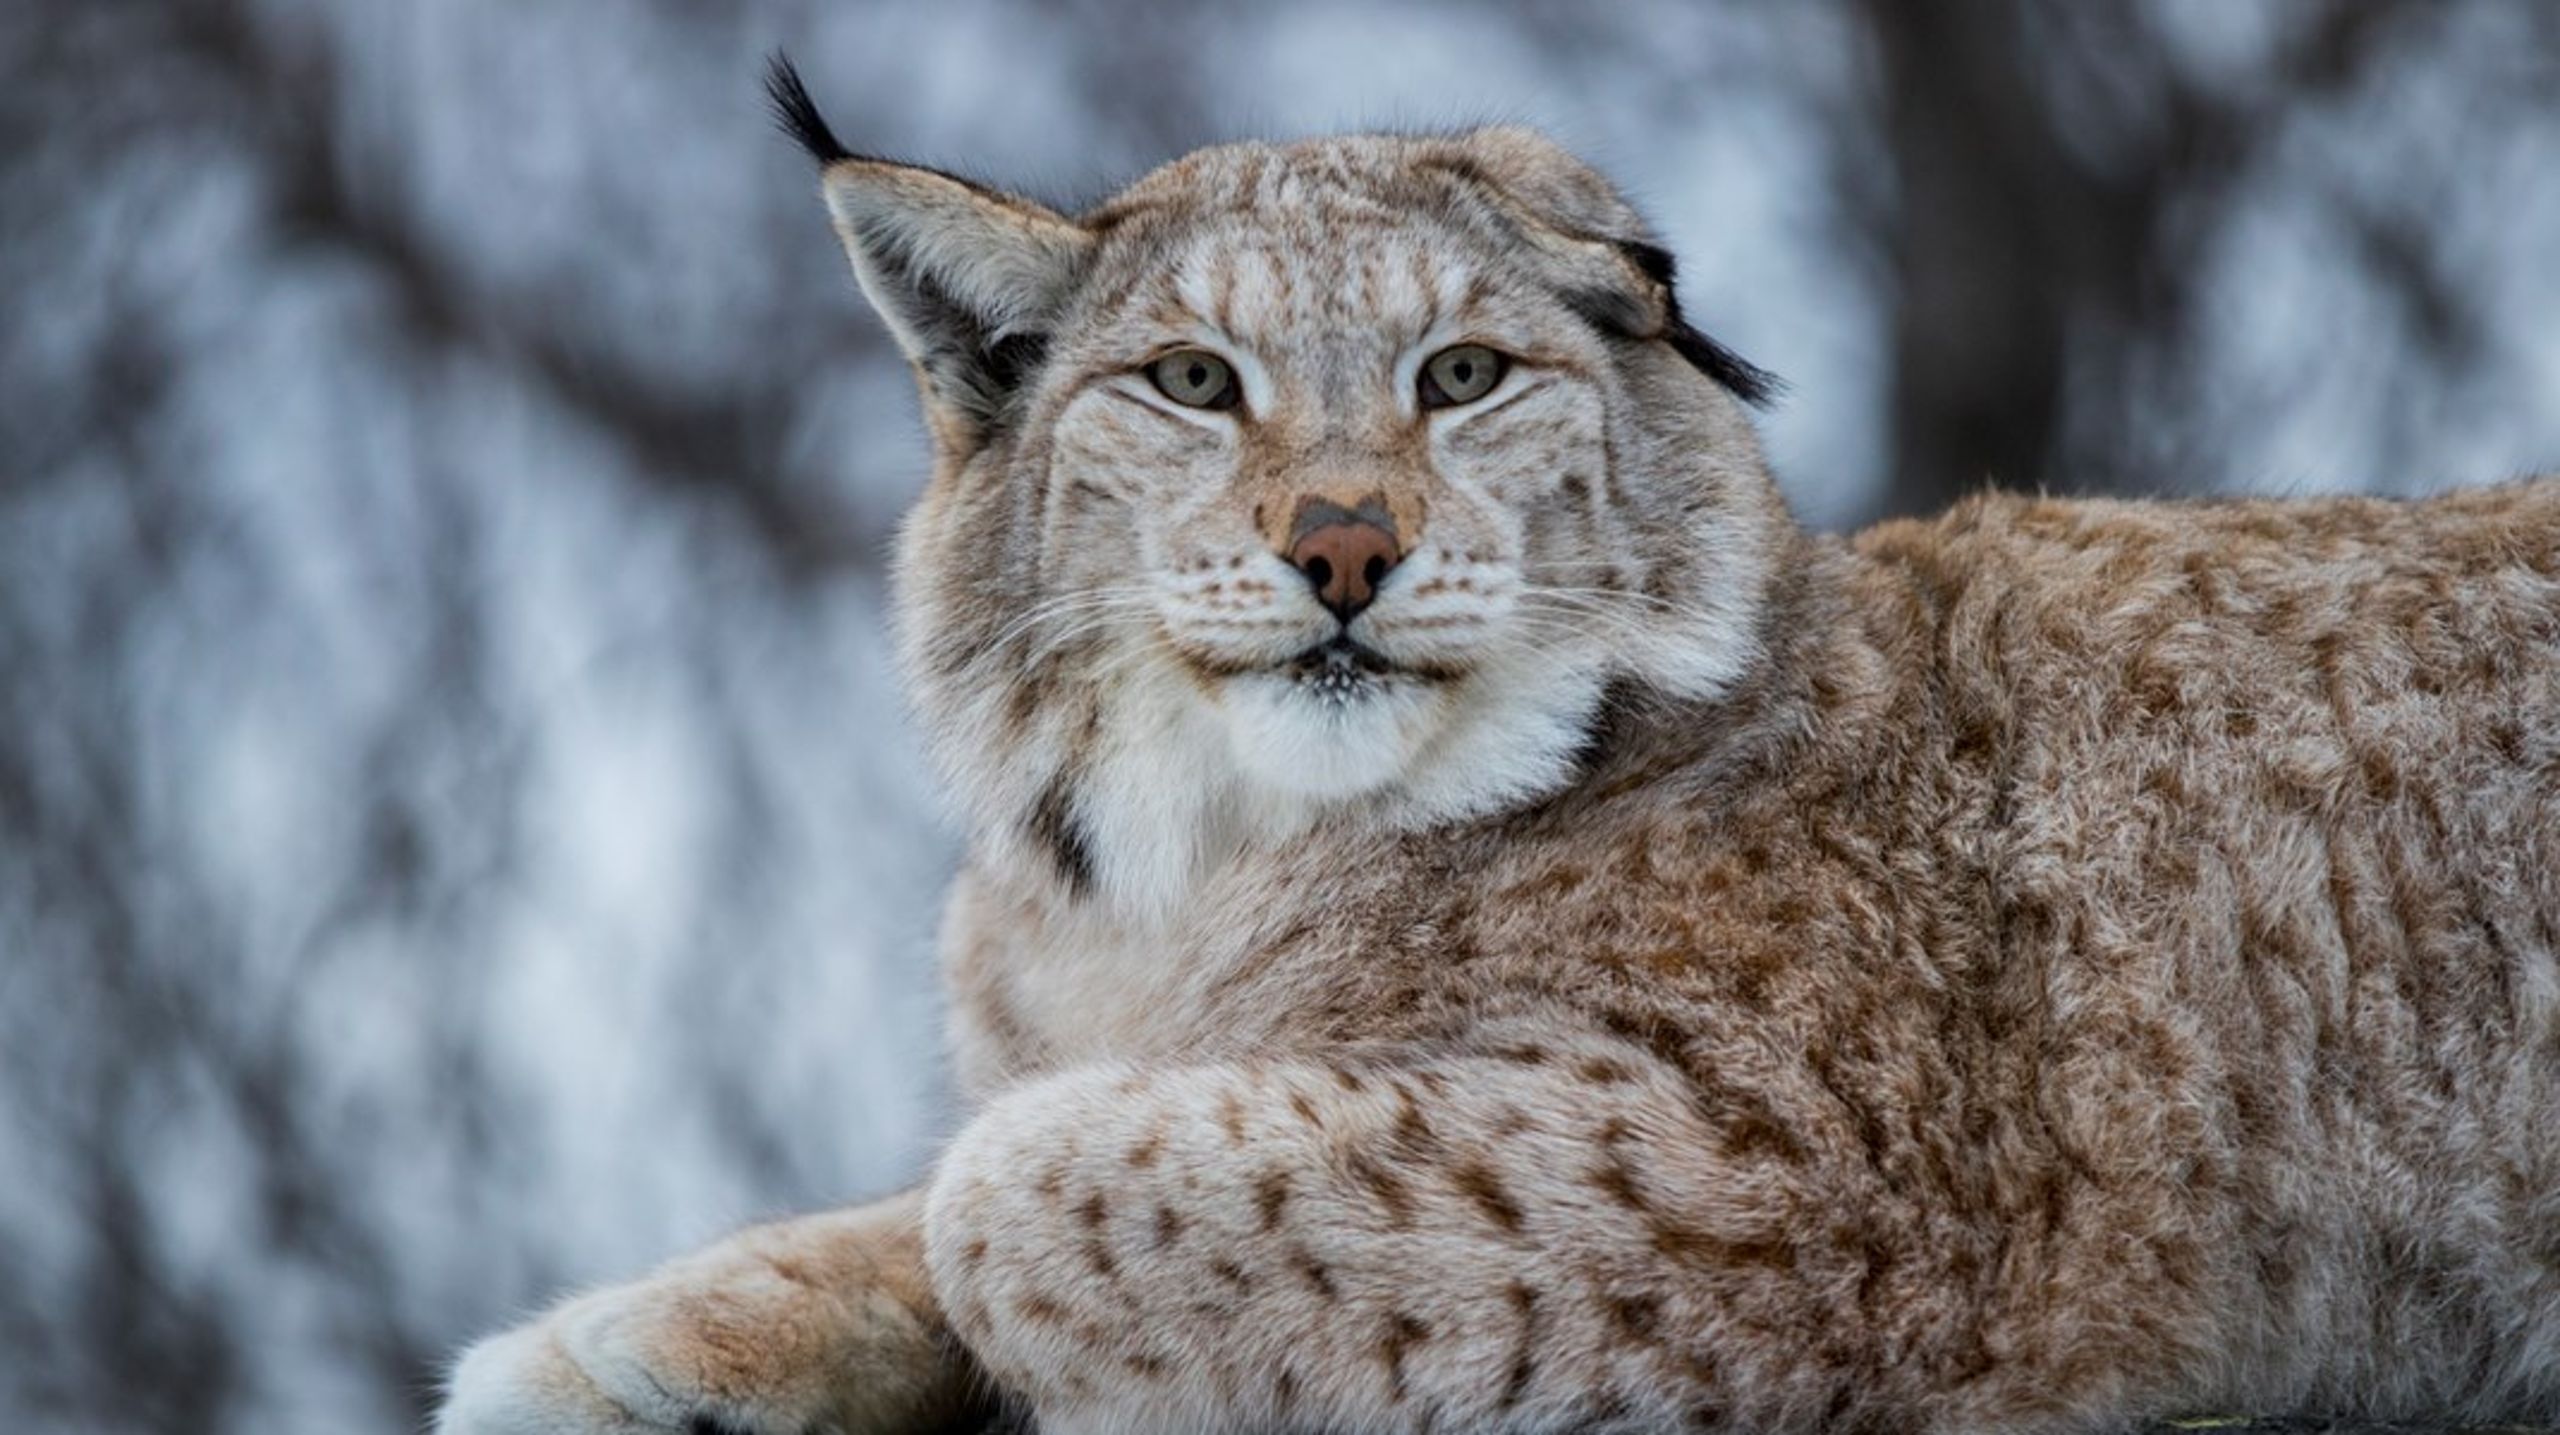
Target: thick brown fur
{"x": 2054, "y": 964}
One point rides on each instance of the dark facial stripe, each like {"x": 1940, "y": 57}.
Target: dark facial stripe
{"x": 1054, "y": 828}
{"x": 1606, "y": 729}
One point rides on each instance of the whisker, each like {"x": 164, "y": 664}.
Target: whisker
{"x": 1616, "y": 617}
{"x": 1609, "y": 595}
{"x": 1051, "y": 610}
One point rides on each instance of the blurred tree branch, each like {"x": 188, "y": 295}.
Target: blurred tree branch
{"x": 2053, "y": 173}
{"x": 722, "y": 446}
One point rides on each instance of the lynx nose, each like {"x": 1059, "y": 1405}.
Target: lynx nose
{"x": 1345, "y": 559}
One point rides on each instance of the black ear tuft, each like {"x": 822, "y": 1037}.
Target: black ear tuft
{"x": 1656, "y": 262}
{"x": 796, "y": 115}
{"x": 1740, "y": 377}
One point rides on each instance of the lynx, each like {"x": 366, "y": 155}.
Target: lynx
{"x": 1476, "y": 921}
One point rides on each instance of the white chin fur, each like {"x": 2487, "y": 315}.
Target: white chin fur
{"x": 1430, "y": 752}
{"x": 1291, "y": 740}
{"x": 1179, "y": 786}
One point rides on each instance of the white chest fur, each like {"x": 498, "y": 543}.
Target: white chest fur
{"x": 1040, "y": 980}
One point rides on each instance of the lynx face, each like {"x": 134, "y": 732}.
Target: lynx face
{"x": 1328, "y": 481}
{"x": 1349, "y": 564}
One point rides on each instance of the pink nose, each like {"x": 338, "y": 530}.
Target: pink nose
{"x": 1345, "y": 559}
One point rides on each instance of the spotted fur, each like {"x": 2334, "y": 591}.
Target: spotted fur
{"x": 2048, "y": 965}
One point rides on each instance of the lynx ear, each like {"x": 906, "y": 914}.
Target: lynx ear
{"x": 1608, "y": 267}
{"x": 967, "y": 278}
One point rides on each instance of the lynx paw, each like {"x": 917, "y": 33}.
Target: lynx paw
{"x": 739, "y": 1346}
{"x": 623, "y": 1361}
{"x": 524, "y": 1383}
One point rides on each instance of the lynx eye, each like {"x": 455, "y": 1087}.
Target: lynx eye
{"x": 1460, "y": 374}
{"x": 1194, "y": 378}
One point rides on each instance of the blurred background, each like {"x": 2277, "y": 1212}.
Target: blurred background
{"x": 457, "y": 833}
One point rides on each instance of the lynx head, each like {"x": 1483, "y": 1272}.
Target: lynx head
{"x": 1323, "y": 482}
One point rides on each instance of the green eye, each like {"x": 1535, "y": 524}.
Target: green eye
{"x": 1195, "y": 378}
{"x": 1460, "y": 374}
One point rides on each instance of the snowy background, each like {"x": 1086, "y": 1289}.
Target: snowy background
{"x": 457, "y": 834}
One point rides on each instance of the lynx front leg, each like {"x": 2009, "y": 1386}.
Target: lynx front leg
{"x": 821, "y": 1323}
{"x": 1538, "y": 1240}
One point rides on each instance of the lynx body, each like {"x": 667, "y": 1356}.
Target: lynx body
{"x": 1477, "y": 922}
